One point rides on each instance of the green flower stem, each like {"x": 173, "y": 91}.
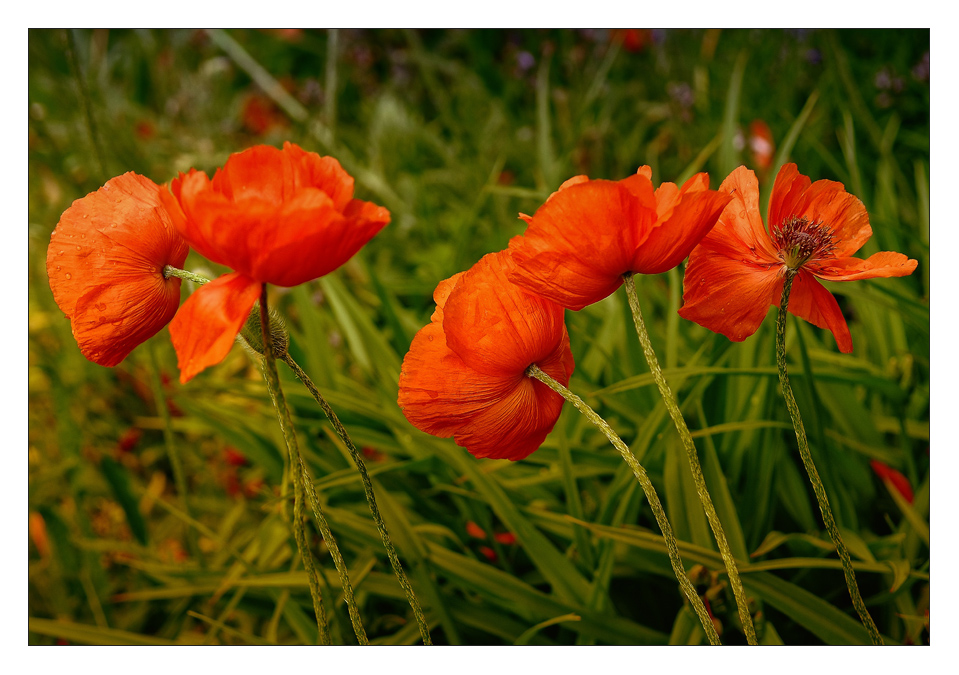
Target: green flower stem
{"x": 171, "y": 271}
{"x": 370, "y": 498}
{"x": 670, "y": 400}
{"x": 289, "y": 436}
{"x": 651, "y": 496}
{"x": 171, "y": 450}
{"x": 814, "y": 479}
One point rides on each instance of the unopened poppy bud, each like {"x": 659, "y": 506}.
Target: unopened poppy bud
{"x": 252, "y": 333}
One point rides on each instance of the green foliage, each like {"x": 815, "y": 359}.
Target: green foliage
{"x": 456, "y": 132}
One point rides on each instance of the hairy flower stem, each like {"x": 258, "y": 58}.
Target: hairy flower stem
{"x": 671, "y": 545}
{"x": 289, "y": 436}
{"x": 370, "y": 497}
{"x": 814, "y": 479}
{"x": 171, "y": 271}
{"x": 670, "y": 400}
{"x": 172, "y": 454}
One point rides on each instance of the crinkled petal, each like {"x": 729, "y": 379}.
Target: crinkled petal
{"x": 739, "y": 232}
{"x": 495, "y": 326}
{"x": 516, "y": 425}
{"x": 689, "y": 217}
{"x": 809, "y": 300}
{"x": 310, "y": 223}
{"x": 261, "y": 173}
{"x": 728, "y": 296}
{"x": 580, "y": 243}
{"x": 438, "y": 392}
{"x": 310, "y": 170}
{"x": 204, "y": 329}
{"x": 882, "y": 264}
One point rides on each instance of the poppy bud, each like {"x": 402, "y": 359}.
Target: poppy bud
{"x": 252, "y": 333}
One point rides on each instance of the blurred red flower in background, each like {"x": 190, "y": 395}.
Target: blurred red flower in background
{"x": 465, "y": 373}
{"x": 737, "y": 272}
{"x": 283, "y": 217}
{"x": 761, "y": 144}
{"x": 895, "y": 478}
{"x": 105, "y": 265}
{"x": 589, "y": 233}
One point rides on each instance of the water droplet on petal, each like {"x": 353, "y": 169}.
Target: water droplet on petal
{"x": 113, "y": 224}
{"x": 742, "y": 214}
{"x": 58, "y": 268}
{"x": 430, "y": 337}
{"x": 78, "y": 247}
{"x": 68, "y": 275}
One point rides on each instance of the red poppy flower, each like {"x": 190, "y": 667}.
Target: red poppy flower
{"x": 589, "y": 233}
{"x": 105, "y": 264}
{"x": 737, "y": 272}
{"x": 465, "y": 373}
{"x": 898, "y": 481}
{"x": 275, "y": 216}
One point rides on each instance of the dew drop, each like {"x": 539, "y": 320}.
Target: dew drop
{"x": 58, "y": 268}
{"x": 68, "y": 275}
{"x": 84, "y": 215}
{"x": 78, "y": 247}
{"x": 118, "y": 323}
{"x": 83, "y": 236}
{"x": 429, "y": 336}
{"x": 113, "y": 224}
{"x": 742, "y": 214}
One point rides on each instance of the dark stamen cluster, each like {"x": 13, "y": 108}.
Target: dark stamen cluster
{"x": 800, "y": 240}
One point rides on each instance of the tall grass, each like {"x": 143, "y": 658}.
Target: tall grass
{"x": 456, "y": 132}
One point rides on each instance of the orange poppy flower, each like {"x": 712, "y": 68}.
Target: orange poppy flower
{"x": 465, "y": 373}
{"x": 589, "y": 233}
{"x": 105, "y": 264}
{"x": 737, "y": 272}
{"x": 282, "y": 217}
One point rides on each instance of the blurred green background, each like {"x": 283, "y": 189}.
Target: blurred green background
{"x": 456, "y": 132}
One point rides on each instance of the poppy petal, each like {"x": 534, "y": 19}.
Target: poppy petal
{"x": 809, "y": 300}
{"x": 580, "y": 243}
{"x": 204, "y": 329}
{"x": 882, "y": 264}
{"x": 739, "y": 232}
{"x": 689, "y": 218}
{"x": 261, "y": 173}
{"x": 787, "y": 191}
{"x": 727, "y": 296}
{"x": 496, "y": 326}
{"x": 516, "y": 425}
{"x": 310, "y": 170}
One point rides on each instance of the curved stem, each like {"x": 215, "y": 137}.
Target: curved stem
{"x": 289, "y": 436}
{"x": 370, "y": 498}
{"x": 671, "y": 546}
{"x": 714, "y": 523}
{"x": 817, "y": 484}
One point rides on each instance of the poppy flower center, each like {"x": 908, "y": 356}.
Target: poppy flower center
{"x": 800, "y": 240}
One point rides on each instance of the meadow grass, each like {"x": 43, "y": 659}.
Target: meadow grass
{"x": 456, "y": 132}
